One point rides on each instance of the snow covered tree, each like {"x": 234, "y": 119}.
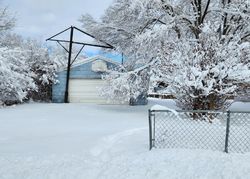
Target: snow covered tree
{"x": 15, "y": 78}
{"x": 6, "y": 20}
{"x": 42, "y": 67}
{"x": 59, "y": 56}
{"x": 26, "y": 70}
{"x": 126, "y": 87}
{"x": 37, "y": 67}
{"x": 24, "y": 59}
{"x": 11, "y": 40}
{"x": 199, "y": 49}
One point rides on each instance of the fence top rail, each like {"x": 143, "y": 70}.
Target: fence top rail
{"x": 200, "y": 111}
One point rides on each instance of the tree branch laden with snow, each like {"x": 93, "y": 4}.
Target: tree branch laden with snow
{"x": 200, "y": 47}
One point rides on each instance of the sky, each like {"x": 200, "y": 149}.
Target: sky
{"x": 41, "y": 19}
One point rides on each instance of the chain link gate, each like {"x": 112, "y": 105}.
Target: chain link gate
{"x": 226, "y": 131}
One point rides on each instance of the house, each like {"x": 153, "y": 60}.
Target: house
{"x": 85, "y": 79}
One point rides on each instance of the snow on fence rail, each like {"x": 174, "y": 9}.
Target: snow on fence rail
{"x": 226, "y": 131}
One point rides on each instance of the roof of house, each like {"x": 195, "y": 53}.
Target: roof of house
{"x": 90, "y": 59}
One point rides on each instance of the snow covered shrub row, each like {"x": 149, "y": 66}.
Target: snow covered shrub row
{"x": 198, "y": 51}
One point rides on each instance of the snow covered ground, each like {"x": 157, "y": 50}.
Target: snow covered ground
{"x": 77, "y": 141}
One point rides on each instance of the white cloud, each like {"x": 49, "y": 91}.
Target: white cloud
{"x": 49, "y": 18}
{"x": 42, "y": 18}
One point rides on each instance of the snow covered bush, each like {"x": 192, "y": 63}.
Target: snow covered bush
{"x": 198, "y": 49}
{"x": 15, "y": 78}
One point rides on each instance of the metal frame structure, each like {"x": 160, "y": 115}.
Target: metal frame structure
{"x": 69, "y": 51}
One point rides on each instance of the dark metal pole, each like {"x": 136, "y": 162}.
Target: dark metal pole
{"x": 66, "y": 95}
{"x": 227, "y": 132}
{"x": 153, "y": 140}
{"x": 81, "y": 43}
{"x": 150, "y": 129}
{"x": 58, "y": 34}
{"x": 77, "y": 54}
{"x": 63, "y": 46}
{"x": 110, "y": 46}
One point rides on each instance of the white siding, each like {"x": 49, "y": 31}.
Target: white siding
{"x": 85, "y": 91}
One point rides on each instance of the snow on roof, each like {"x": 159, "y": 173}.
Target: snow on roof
{"x": 90, "y": 59}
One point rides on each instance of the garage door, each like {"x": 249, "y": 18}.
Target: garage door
{"x": 85, "y": 91}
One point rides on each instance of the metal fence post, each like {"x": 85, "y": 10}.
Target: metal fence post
{"x": 153, "y": 139}
{"x": 227, "y": 132}
{"x": 150, "y": 129}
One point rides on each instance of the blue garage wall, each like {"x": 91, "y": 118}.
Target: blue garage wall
{"x": 79, "y": 72}
{"x": 59, "y": 88}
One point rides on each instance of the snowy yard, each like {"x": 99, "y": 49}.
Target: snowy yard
{"x": 76, "y": 141}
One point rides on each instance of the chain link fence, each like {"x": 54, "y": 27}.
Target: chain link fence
{"x": 221, "y": 131}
